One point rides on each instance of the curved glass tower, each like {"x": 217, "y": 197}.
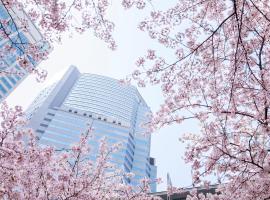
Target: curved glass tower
{"x": 113, "y": 110}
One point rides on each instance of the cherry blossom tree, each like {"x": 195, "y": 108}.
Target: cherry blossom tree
{"x": 28, "y": 171}
{"x": 16, "y": 49}
{"x": 53, "y": 18}
{"x": 220, "y": 76}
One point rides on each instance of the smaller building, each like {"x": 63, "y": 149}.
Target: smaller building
{"x": 183, "y": 195}
{"x": 18, "y": 34}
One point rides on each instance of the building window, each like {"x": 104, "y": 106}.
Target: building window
{"x": 12, "y": 80}
{"x": 131, "y": 136}
{"x": 3, "y": 13}
{"x": 69, "y": 110}
{"x": 44, "y": 125}
{"x": 47, "y": 119}
{"x": 17, "y": 77}
{"x": 6, "y": 83}
{"x": 2, "y": 89}
{"x": 51, "y": 114}
{"x": 75, "y": 111}
{"x": 40, "y": 131}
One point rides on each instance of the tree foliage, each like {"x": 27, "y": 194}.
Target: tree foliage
{"x": 29, "y": 171}
{"x": 220, "y": 77}
{"x": 53, "y": 18}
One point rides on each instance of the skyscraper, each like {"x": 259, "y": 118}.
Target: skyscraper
{"x": 17, "y": 32}
{"x": 81, "y": 101}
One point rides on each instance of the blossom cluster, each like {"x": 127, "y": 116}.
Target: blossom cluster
{"x": 29, "y": 171}
{"x": 220, "y": 78}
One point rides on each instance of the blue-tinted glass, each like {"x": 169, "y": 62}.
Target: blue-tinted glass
{"x": 44, "y": 139}
{"x": 65, "y": 130}
{"x": 12, "y": 80}
{"x": 19, "y": 50}
{"x": 6, "y": 83}
{"x": 3, "y": 65}
{"x": 3, "y": 13}
{"x": 32, "y": 60}
{"x": 59, "y": 136}
{"x": 116, "y": 114}
{"x": 12, "y": 55}
{"x": 3, "y": 89}
{"x": 22, "y": 39}
{"x": 117, "y": 156}
{"x": 128, "y": 162}
{"x": 18, "y": 67}
{"x": 12, "y": 26}
{"x": 11, "y": 58}
{"x": 17, "y": 77}
{"x": 64, "y": 123}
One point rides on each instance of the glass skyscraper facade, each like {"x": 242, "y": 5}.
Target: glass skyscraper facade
{"x": 11, "y": 34}
{"x": 113, "y": 110}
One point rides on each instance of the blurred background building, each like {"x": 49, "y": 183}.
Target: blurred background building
{"x": 183, "y": 195}
{"x": 17, "y": 33}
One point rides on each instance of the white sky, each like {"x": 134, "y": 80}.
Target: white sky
{"x": 92, "y": 56}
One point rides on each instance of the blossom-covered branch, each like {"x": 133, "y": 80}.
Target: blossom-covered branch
{"x": 221, "y": 78}
{"x": 29, "y": 171}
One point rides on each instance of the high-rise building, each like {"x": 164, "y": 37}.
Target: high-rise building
{"x": 80, "y": 101}
{"x": 17, "y": 32}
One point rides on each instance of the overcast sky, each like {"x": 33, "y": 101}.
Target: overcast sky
{"x": 92, "y": 56}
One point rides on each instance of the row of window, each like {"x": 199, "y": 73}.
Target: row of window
{"x": 119, "y": 103}
{"x": 65, "y": 130}
{"x": 54, "y": 143}
{"x": 68, "y": 138}
{"x": 3, "y": 12}
{"x": 110, "y": 129}
{"x": 9, "y": 60}
{"x": 110, "y": 86}
{"x": 90, "y": 115}
{"x": 104, "y": 91}
{"x": 102, "y": 124}
{"x": 64, "y": 116}
{"x": 63, "y": 123}
{"x": 129, "y": 156}
{"x": 97, "y": 109}
{"x": 102, "y": 99}
{"x": 5, "y": 86}
{"x": 128, "y": 162}
{"x": 103, "y": 87}
{"x": 100, "y": 79}
{"x": 69, "y": 133}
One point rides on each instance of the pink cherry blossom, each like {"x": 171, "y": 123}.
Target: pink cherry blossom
{"x": 28, "y": 171}
{"x": 220, "y": 78}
